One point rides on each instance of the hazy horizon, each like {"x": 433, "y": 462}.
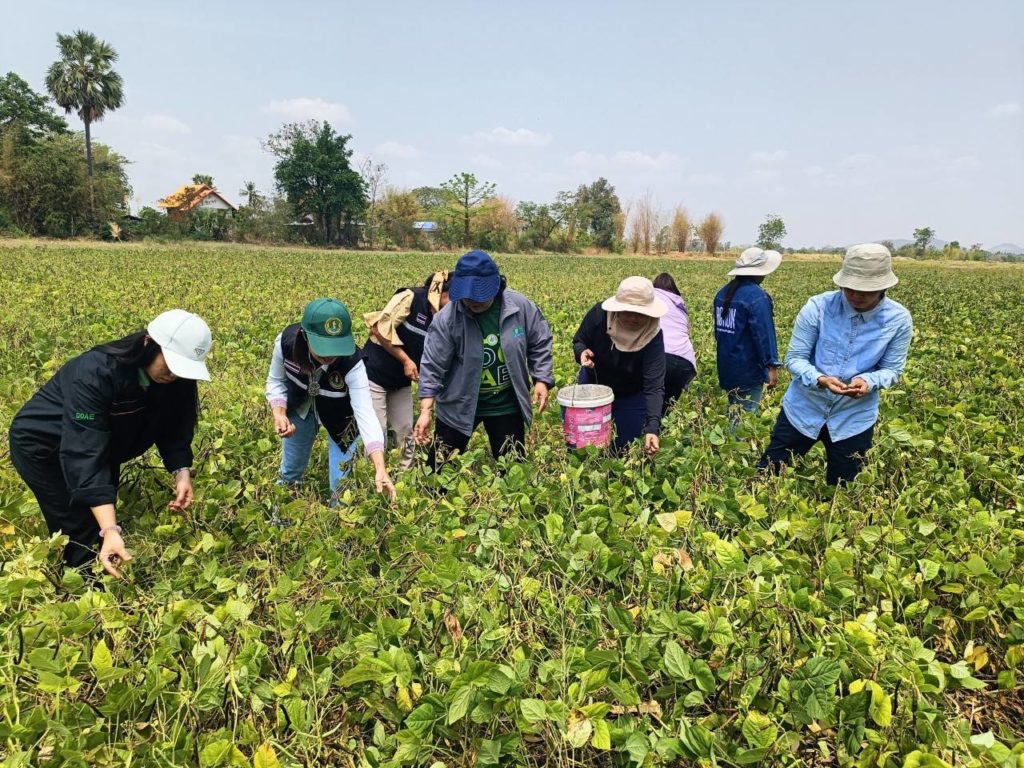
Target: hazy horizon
{"x": 852, "y": 122}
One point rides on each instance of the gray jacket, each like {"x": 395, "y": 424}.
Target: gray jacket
{"x": 453, "y": 358}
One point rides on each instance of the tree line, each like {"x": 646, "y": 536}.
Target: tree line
{"x": 57, "y": 182}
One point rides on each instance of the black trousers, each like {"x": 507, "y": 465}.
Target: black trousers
{"x": 843, "y": 458}
{"x": 45, "y": 479}
{"x": 679, "y": 372}
{"x": 506, "y": 434}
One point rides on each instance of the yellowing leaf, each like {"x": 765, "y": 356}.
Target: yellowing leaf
{"x": 102, "y": 661}
{"x": 602, "y": 738}
{"x": 403, "y": 699}
{"x": 265, "y": 757}
{"x": 978, "y": 656}
{"x": 881, "y": 705}
{"x": 662, "y": 562}
{"x": 667, "y": 520}
{"x": 579, "y": 731}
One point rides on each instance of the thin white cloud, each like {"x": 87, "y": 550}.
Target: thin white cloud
{"x": 166, "y": 124}
{"x": 1006, "y": 109}
{"x": 857, "y": 160}
{"x": 584, "y": 159}
{"x": 150, "y": 150}
{"x": 765, "y": 157}
{"x": 760, "y": 176}
{"x": 485, "y": 161}
{"x": 306, "y": 108}
{"x": 629, "y": 159}
{"x": 812, "y": 171}
{"x": 964, "y": 163}
{"x": 703, "y": 178}
{"x": 644, "y": 161}
{"x": 396, "y": 149}
{"x": 508, "y": 137}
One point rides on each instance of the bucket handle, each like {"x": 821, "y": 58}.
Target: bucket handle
{"x": 593, "y": 371}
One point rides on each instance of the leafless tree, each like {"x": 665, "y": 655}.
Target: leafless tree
{"x": 375, "y": 176}
{"x": 681, "y": 226}
{"x": 644, "y": 224}
{"x": 710, "y": 232}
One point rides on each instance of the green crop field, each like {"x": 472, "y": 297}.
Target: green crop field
{"x": 573, "y": 610}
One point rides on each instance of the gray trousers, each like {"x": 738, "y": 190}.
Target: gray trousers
{"x": 394, "y": 411}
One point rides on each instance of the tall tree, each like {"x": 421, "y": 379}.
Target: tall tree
{"x": 463, "y": 195}
{"x": 598, "y": 208}
{"x": 202, "y": 178}
{"x": 710, "y": 232}
{"x": 771, "y": 232}
{"x": 20, "y": 105}
{"x": 314, "y": 173}
{"x": 922, "y": 239}
{"x": 83, "y": 81}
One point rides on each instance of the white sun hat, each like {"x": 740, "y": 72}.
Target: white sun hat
{"x": 185, "y": 340}
{"x": 866, "y": 267}
{"x": 636, "y": 294}
{"x": 756, "y": 262}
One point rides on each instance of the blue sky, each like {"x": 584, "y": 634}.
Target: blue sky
{"x": 852, "y": 120}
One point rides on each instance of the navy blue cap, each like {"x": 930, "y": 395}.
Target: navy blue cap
{"x": 476, "y": 277}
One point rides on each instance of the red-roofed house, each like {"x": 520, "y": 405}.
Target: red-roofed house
{"x": 194, "y": 197}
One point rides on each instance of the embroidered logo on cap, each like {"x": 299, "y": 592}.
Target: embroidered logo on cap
{"x": 333, "y": 326}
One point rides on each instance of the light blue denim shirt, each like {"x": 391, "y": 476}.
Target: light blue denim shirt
{"x": 830, "y": 338}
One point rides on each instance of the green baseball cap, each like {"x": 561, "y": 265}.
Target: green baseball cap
{"x": 328, "y": 327}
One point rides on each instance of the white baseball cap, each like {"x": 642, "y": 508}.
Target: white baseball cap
{"x": 756, "y": 262}
{"x": 185, "y": 340}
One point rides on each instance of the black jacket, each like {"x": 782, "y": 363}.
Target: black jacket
{"x": 94, "y": 414}
{"x": 381, "y": 367}
{"x": 333, "y": 403}
{"x": 627, "y": 373}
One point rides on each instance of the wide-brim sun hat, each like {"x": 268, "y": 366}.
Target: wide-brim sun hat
{"x": 636, "y": 294}
{"x": 756, "y": 262}
{"x": 866, "y": 267}
{"x": 476, "y": 277}
{"x": 328, "y": 327}
{"x": 185, "y": 340}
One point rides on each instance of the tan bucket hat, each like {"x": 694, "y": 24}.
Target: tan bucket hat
{"x": 866, "y": 267}
{"x": 756, "y": 262}
{"x": 636, "y": 294}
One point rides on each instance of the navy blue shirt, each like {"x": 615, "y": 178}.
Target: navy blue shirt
{"x": 745, "y": 334}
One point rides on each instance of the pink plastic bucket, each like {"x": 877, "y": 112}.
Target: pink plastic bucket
{"x": 586, "y": 414}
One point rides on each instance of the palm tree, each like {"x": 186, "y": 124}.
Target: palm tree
{"x": 252, "y": 195}
{"x": 83, "y": 80}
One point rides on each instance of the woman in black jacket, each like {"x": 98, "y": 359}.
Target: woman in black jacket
{"x": 620, "y": 344}
{"x": 101, "y": 409}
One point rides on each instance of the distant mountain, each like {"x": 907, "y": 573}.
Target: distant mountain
{"x": 1011, "y": 248}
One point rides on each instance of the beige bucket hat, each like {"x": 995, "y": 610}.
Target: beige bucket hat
{"x": 866, "y": 267}
{"x": 756, "y": 262}
{"x": 636, "y": 294}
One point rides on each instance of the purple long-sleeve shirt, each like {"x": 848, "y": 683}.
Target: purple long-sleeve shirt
{"x": 675, "y": 326}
